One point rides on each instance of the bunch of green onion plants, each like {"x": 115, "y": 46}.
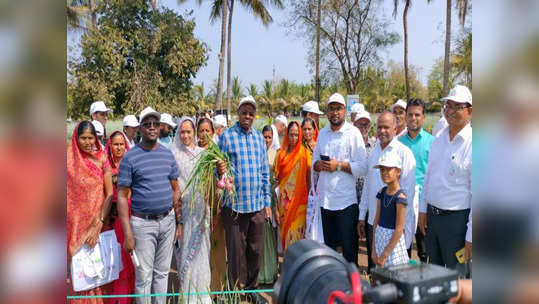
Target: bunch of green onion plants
{"x": 203, "y": 179}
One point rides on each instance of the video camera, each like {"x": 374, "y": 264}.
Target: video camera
{"x": 314, "y": 273}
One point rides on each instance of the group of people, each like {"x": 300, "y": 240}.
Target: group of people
{"x": 387, "y": 189}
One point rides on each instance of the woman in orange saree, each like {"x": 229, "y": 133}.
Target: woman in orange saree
{"x": 115, "y": 148}
{"x": 292, "y": 170}
{"x": 89, "y": 193}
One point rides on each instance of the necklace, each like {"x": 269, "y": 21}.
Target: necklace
{"x": 387, "y": 204}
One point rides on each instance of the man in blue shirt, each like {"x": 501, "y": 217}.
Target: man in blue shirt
{"x": 149, "y": 171}
{"x": 243, "y": 217}
{"x": 419, "y": 141}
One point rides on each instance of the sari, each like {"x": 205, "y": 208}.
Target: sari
{"x": 125, "y": 284}
{"x": 193, "y": 254}
{"x": 85, "y": 195}
{"x": 292, "y": 170}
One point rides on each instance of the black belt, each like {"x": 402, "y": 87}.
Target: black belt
{"x": 438, "y": 211}
{"x": 151, "y": 216}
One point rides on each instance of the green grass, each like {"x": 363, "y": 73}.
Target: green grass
{"x": 258, "y": 124}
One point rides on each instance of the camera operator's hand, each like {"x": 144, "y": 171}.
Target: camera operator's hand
{"x": 361, "y": 230}
{"x": 467, "y": 251}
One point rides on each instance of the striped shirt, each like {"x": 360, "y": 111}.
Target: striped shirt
{"x": 247, "y": 152}
{"x": 148, "y": 173}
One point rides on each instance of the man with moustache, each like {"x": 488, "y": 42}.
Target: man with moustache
{"x": 387, "y": 141}
{"x": 339, "y": 157}
{"x": 445, "y": 216}
{"x": 243, "y": 217}
{"x": 399, "y": 110}
{"x": 149, "y": 172}
{"x": 419, "y": 141}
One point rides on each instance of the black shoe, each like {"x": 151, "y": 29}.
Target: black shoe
{"x": 257, "y": 299}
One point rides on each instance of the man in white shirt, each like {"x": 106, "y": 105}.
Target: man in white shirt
{"x": 278, "y": 128}
{"x": 354, "y": 110}
{"x": 99, "y": 112}
{"x": 387, "y": 141}
{"x": 130, "y": 128}
{"x": 445, "y": 206}
{"x": 339, "y": 156}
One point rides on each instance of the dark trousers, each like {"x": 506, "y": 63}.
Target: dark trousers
{"x": 368, "y": 232}
{"x": 341, "y": 225}
{"x": 244, "y": 233}
{"x": 420, "y": 243}
{"x": 446, "y": 234}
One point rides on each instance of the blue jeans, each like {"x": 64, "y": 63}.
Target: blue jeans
{"x": 153, "y": 247}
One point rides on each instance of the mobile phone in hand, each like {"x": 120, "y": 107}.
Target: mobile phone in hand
{"x": 324, "y": 157}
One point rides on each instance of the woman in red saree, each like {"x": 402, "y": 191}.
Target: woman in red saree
{"x": 116, "y": 147}
{"x": 292, "y": 170}
{"x": 89, "y": 193}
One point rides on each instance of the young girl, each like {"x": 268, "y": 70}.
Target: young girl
{"x": 388, "y": 240}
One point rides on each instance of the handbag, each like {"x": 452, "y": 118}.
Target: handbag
{"x": 313, "y": 221}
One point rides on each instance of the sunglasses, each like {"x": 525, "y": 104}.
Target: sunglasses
{"x": 150, "y": 124}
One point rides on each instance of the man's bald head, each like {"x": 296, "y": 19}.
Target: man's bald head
{"x": 386, "y": 128}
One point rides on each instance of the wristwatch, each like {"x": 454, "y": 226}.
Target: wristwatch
{"x": 339, "y": 167}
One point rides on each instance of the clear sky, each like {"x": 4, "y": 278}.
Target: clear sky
{"x": 256, "y": 50}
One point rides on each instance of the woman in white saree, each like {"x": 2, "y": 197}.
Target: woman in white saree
{"x": 193, "y": 254}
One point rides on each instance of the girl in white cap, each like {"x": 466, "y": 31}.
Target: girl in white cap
{"x": 388, "y": 246}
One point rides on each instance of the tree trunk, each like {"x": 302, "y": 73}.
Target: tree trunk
{"x": 447, "y": 48}
{"x": 154, "y": 4}
{"x": 405, "y": 24}
{"x": 92, "y": 13}
{"x": 317, "y": 73}
{"x": 229, "y": 57}
{"x": 219, "y": 97}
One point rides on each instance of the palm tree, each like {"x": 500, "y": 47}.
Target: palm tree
{"x": 462, "y": 58}
{"x": 258, "y": 10}
{"x": 405, "y": 26}
{"x": 252, "y": 90}
{"x": 462, "y": 6}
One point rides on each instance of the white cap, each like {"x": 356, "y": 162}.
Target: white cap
{"x": 282, "y": 119}
{"x": 312, "y": 107}
{"x": 362, "y": 114}
{"x": 337, "y": 98}
{"x": 389, "y": 159}
{"x": 219, "y": 120}
{"x": 130, "y": 121}
{"x": 98, "y": 106}
{"x": 459, "y": 94}
{"x": 400, "y": 103}
{"x": 357, "y": 108}
{"x": 148, "y": 111}
{"x": 98, "y": 128}
{"x": 167, "y": 118}
{"x": 247, "y": 99}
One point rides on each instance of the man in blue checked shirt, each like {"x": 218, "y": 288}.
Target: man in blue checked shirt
{"x": 243, "y": 219}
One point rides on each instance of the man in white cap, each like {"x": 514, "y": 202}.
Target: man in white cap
{"x": 99, "y": 112}
{"x": 387, "y": 141}
{"x": 219, "y": 124}
{"x": 399, "y": 110}
{"x": 339, "y": 156}
{"x": 130, "y": 128}
{"x": 165, "y": 130}
{"x": 310, "y": 109}
{"x": 100, "y": 131}
{"x": 149, "y": 173}
{"x": 445, "y": 216}
{"x": 278, "y": 127}
{"x": 243, "y": 219}
{"x": 354, "y": 110}
{"x": 362, "y": 121}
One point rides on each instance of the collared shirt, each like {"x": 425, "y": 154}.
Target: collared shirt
{"x": 248, "y": 155}
{"x": 337, "y": 190}
{"x": 373, "y": 184}
{"x": 165, "y": 141}
{"x": 275, "y": 144}
{"x": 439, "y": 126}
{"x": 420, "y": 146}
{"x": 403, "y": 132}
{"x": 448, "y": 180}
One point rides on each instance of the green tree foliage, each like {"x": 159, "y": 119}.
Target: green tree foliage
{"x": 462, "y": 58}
{"x": 136, "y": 57}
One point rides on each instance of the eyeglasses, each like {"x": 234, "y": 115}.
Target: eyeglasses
{"x": 455, "y": 107}
{"x": 150, "y": 124}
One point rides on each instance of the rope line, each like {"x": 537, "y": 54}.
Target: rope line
{"x": 170, "y": 294}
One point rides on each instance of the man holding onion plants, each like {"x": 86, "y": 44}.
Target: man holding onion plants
{"x": 243, "y": 215}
